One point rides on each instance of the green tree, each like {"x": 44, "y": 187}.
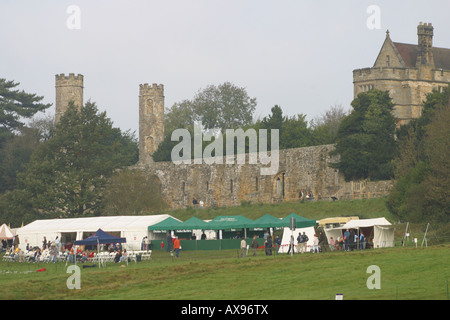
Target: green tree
{"x": 225, "y": 106}
{"x": 15, "y": 106}
{"x": 133, "y": 192}
{"x": 67, "y": 173}
{"x": 365, "y": 139}
{"x": 422, "y": 167}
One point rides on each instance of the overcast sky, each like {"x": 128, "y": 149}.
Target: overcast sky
{"x": 297, "y": 54}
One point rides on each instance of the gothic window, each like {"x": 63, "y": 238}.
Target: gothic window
{"x": 388, "y": 61}
{"x": 231, "y": 186}
{"x": 256, "y": 184}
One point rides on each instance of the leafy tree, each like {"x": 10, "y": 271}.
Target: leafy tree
{"x": 225, "y": 106}
{"x": 365, "y": 139}
{"x": 422, "y": 166}
{"x": 131, "y": 192}
{"x": 67, "y": 173}
{"x": 15, "y": 106}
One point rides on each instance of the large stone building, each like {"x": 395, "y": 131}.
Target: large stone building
{"x": 407, "y": 71}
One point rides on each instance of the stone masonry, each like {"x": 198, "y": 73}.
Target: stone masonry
{"x": 408, "y": 72}
{"x": 68, "y": 88}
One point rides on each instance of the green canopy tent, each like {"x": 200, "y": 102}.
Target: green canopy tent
{"x": 229, "y": 222}
{"x": 266, "y": 221}
{"x": 167, "y": 224}
{"x": 195, "y": 223}
{"x": 300, "y": 222}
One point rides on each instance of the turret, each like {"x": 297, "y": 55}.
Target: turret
{"x": 68, "y": 88}
{"x": 151, "y": 119}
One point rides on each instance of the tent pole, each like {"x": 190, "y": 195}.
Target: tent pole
{"x": 406, "y": 231}
{"x": 425, "y": 236}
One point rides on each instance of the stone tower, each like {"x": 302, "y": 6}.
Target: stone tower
{"x": 68, "y": 88}
{"x": 425, "y": 43}
{"x": 151, "y": 120}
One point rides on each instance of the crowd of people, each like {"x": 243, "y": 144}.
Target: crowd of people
{"x": 53, "y": 251}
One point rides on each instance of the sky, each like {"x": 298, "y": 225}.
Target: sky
{"x": 297, "y": 54}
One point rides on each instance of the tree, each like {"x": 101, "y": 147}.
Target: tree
{"x": 365, "y": 139}
{"x": 225, "y": 106}
{"x": 67, "y": 173}
{"x": 15, "y": 106}
{"x": 422, "y": 167}
{"x": 131, "y": 192}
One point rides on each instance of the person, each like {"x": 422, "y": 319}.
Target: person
{"x": 332, "y": 244}
{"x": 57, "y": 243}
{"x": 176, "y": 246}
{"x": 346, "y": 239}
{"x": 162, "y": 245}
{"x": 203, "y": 237}
{"x": 305, "y": 240}
{"x": 201, "y": 204}
{"x": 54, "y": 253}
{"x": 277, "y": 242}
{"x": 147, "y": 243}
{"x": 316, "y": 243}
{"x": 323, "y": 242}
{"x": 117, "y": 257}
{"x": 169, "y": 242}
{"x": 243, "y": 248}
{"x": 351, "y": 240}
{"x": 299, "y": 242}
{"x": 269, "y": 245}
{"x": 291, "y": 245}
{"x": 194, "y": 202}
{"x": 124, "y": 256}
{"x": 362, "y": 241}
{"x": 254, "y": 245}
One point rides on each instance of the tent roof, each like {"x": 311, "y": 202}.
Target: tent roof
{"x": 195, "y": 223}
{"x": 100, "y": 237}
{"x": 5, "y": 232}
{"x": 167, "y": 224}
{"x": 266, "y": 221}
{"x": 229, "y": 222}
{"x": 363, "y": 223}
{"x": 109, "y": 223}
{"x": 300, "y": 222}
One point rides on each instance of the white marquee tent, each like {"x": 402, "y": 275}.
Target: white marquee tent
{"x": 287, "y": 232}
{"x": 381, "y": 230}
{"x": 133, "y": 228}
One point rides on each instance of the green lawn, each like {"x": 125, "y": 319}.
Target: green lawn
{"x": 405, "y": 273}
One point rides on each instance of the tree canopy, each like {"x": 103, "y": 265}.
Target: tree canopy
{"x": 365, "y": 138}
{"x": 15, "y": 106}
{"x": 67, "y": 173}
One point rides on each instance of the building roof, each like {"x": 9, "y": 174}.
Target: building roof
{"x": 408, "y": 52}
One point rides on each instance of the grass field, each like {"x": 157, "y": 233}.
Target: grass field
{"x": 405, "y": 272}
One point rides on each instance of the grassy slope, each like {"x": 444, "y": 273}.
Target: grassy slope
{"x": 406, "y": 273}
{"x": 368, "y": 208}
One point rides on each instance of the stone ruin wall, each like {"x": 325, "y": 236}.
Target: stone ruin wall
{"x": 304, "y": 169}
